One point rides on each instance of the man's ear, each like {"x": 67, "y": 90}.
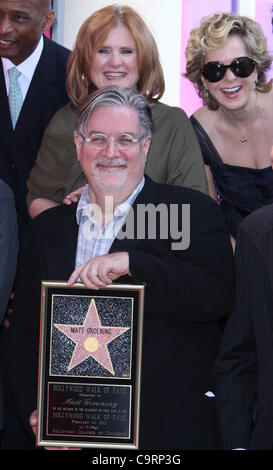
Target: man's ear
{"x": 78, "y": 144}
{"x": 147, "y": 144}
{"x": 48, "y": 20}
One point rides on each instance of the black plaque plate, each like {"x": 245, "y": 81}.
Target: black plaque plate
{"x": 90, "y": 365}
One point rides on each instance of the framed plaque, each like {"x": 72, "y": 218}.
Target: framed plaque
{"x": 90, "y": 365}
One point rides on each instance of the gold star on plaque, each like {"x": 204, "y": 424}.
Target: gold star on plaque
{"x": 91, "y": 339}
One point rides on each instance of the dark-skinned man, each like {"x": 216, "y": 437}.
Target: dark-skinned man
{"x": 41, "y": 66}
{"x": 32, "y": 89}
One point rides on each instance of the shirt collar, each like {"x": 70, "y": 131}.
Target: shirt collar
{"x": 28, "y": 66}
{"x": 85, "y": 206}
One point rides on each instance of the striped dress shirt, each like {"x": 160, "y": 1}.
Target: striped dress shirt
{"x": 94, "y": 240}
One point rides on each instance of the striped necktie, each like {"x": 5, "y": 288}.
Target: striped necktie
{"x": 15, "y": 95}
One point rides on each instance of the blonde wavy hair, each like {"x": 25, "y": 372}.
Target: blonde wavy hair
{"x": 91, "y": 36}
{"x": 213, "y": 33}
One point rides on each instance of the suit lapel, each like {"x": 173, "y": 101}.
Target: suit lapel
{"x": 5, "y": 119}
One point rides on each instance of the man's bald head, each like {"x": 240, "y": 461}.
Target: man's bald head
{"x": 22, "y": 23}
{"x": 46, "y": 5}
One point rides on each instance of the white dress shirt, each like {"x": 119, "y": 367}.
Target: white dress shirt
{"x": 27, "y": 68}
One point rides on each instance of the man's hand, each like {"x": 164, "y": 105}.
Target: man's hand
{"x": 74, "y": 196}
{"x": 9, "y": 311}
{"x": 33, "y": 421}
{"x": 102, "y": 270}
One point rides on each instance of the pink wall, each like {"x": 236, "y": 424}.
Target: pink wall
{"x": 263, "y": 16}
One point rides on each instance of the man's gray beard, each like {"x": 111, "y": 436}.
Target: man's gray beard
{"x": 111, "y": 187}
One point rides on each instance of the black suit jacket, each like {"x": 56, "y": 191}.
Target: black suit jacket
{"x": 8, "y": 260}
{"x": 245, "y": 364}
{"x": 19, "y": 147}
{"x": 188, "y": 293}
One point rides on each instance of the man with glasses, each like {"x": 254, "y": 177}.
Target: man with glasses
{"x": 189, "y": 289}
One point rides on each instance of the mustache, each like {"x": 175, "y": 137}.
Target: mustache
{"x": 111, "y": 161}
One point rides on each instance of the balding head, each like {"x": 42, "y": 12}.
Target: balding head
{"x": 22, "y": 23}
{"x": 46, "y": 5}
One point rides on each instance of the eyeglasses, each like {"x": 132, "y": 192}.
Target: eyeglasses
{"x": 241, "y": 67}
{"x": 99, "y": 140}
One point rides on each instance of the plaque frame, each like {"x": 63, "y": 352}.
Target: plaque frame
{"x": 114, "y": 383}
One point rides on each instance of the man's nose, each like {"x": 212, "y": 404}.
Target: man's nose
{"x": 5, "y": 25}
{"x": 111, "y": 150}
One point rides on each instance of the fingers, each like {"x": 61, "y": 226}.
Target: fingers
{"x": 9, "y": 311}
{"x": 89, "y": 275}
{"x": 74, "y": 196}
{"x": 101, "y": 271}
{"x": 94, "y": 274}
{"x": 67, "y": 201}
{"x": 6, "y": 323}
{"x": 33, "y": 421}
{"x": 74, "y": 276}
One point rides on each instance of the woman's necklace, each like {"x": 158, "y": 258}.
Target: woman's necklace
{"x": 243, "y": 136}
{"x": 243, "y": 139}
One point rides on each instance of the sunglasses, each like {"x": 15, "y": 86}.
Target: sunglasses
{"x": 241, "y": 67}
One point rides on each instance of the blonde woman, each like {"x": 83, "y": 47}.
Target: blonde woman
{"x": 227, "y": 60}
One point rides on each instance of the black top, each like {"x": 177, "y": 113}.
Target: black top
{"x": 240, "y": 190}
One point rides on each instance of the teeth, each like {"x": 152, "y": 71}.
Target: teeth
{"x": 115, "y": 74}
{"x": 4, "y": 42}
{"x": 231, "y": 90}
